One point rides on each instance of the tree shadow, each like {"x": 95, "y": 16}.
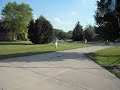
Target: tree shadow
{"x": 14, "y": 43}
{"x": 15, "y": 55}
{"x": 46, "y": 56}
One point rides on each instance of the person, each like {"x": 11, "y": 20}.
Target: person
{"x": 56, "y": 43}
{"x": 85, "y": 40}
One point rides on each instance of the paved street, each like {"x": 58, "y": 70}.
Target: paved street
{"x": 64, "y": 70}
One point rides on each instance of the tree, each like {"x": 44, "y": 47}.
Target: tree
{"x": 89, "y": 33}
{"x": 3, "y": 32}
{"x": 1, "y": 26}
{"x": 16, "y": 18}
{"x": 69, "y": 34}
{"x": 40, "y": 31}
{"x": 108, "y": 27}
{"x": 31, "y": 29}
{"x": 60, "y": 34}
{"x": 78, "y": 33}
{"x": 106, "y": 32}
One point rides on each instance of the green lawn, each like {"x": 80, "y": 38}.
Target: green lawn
{"x": 108, "y": 58}
{"x": 26, "y": 48}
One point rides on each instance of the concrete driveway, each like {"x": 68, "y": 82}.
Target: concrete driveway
{"x": 65, "y": 70}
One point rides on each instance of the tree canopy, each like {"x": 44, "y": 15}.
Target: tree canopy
{"x": 89, "y": 33}
{"x": 40, "y": 31}
{"x": 60, "y": 34}
{"x": 16, "y": 18}
{"x": 78, "y": 32}
{"x": 108, "y": 26}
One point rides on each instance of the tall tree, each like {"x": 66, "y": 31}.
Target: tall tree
{"x": 16, "y": 18}
{"x": 78, "y": 32}
{"x": 40, "y": 31}
{"x": 108, "y": 26}
{"x": 31, "y": 29}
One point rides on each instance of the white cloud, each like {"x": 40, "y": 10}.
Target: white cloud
{"x": 35, "y": 16}
{"x": 74, "y": 13}
{"x": 58, "y": 20}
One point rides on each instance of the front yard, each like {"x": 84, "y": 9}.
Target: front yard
{"x": 108, "y": 58}
{"x": 26, "y": 48}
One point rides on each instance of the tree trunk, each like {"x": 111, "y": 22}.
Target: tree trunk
{"x": 14, "y": 37}
{"x": 26, "y": 36}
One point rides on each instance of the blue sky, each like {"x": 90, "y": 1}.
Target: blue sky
{"x": 63, "y": 14}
